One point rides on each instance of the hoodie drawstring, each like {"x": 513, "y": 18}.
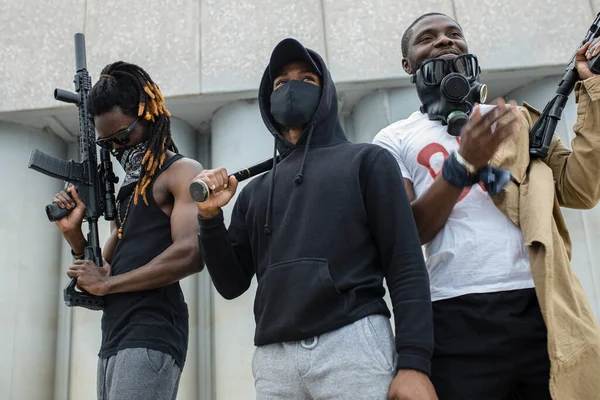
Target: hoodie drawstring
{"x": 300, "y": 177}
{"x": 267, "y": 226}
{"x": 297, "y": 180}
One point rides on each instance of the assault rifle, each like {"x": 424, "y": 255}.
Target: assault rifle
{"x": 543, "y": 130}
{"x": 94, "y": 182}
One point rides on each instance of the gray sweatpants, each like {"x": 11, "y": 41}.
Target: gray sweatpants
{"x": 357, "y": 361}
{"x": 138, "y": 374}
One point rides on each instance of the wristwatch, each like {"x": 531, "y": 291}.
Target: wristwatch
{"x": 79, "y": 256}
{"x": 466, "y": 165}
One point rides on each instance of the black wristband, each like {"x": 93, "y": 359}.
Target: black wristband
{"x": 457, "y": 175}
{"x": 79, "y": 256}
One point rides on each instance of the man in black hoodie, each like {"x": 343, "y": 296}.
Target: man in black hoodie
{"x": 321, "y": 230}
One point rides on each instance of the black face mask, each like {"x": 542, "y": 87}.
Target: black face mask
{"x": 295, "y": 103}
{"x": 448, "y": 89}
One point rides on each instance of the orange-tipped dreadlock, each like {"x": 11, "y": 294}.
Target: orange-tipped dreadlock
{"x": 131, "y": 89}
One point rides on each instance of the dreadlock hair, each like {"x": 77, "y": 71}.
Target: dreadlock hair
{"x": 129, "y": 88}
{"x": 409, "y": 31}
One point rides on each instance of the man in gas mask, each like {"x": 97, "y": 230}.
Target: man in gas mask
{"x": 511, "y": 319}
{"x": 152, "y": 245}
{"x": 321, "y": 231}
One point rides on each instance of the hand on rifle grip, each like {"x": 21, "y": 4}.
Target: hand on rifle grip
{"x": 587, "y": 59}
{"x": 61, "y": 205}
{"x": 55, "y": 213}
{"x": 67, "y": 211}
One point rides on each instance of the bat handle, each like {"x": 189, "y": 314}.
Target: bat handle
{"x": 199, "y": 190}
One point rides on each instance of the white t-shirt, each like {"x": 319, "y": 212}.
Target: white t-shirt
{"x": 479, "y": 249}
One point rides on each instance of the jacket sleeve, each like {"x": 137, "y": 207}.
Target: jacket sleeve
{"x": 227, "y": 252}
{"x": 393, "y": 227}
{"x": 576, "y": 172}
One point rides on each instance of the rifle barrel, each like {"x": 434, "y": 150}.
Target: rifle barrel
{"x": 80, "y": 61}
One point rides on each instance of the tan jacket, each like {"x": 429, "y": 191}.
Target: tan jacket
{"x": 567, "y": 179}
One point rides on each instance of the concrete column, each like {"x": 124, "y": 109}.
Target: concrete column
{"x": 29, "y": 265}
{"x": 65, "y": 314}
{"x": 346, "y": 123}
{"x": 239, "y": 139}
{"x": 380, "y": 109}
{"x": 369, "y": 115}
{"x": 185, "y": 137}
{"x": 206, "y": 359}
{"x": 584, "y": 225}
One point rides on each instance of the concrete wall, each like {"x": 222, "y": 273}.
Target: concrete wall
{"x": 213, "y": 46}
{"x": 29, "y": 265}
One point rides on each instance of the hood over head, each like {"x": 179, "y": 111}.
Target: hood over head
{"x": 325, "y": 121}
{"x": 323, "y": 129}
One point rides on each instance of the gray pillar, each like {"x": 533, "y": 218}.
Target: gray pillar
{"x": 206, "y": 360}
{"x": 380, "y": 109}
{"x": 185, "y": 138}
{"x": 65, "y": 314}
{"x": 584, "y": 225}
{"x": 239, "y": 139}
{"x": 30, "y": 247}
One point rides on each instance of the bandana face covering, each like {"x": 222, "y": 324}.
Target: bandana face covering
{"x": 131, "y": 161}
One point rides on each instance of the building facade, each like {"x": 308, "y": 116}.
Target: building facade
{"x": 207, "y": 56}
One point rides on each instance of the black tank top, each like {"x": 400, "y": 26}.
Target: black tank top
{"x": 156, "y": 319}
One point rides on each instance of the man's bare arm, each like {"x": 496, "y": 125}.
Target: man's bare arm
{"x": 432, "y": 209}
{"x": 111, "y": 243}
{"x": 71, "y": 225}
{"x": 182, "y": 258}
{"x": 478, "y": 144}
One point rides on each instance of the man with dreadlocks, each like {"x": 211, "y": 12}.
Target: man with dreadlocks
{"x": 153, "y": 242}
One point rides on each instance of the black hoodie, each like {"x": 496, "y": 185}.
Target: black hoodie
{"x": 321, "y": 230}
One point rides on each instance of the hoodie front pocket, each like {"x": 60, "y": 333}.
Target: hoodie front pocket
{"x": 295, "y": 296}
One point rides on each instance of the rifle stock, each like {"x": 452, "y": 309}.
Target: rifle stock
{"x": 93, "y": 181}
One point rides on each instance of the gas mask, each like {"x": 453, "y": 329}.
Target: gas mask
{"x": 448, "y": 88}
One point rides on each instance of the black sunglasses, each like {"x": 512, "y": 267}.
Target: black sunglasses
{"x": 435, "y": 69}
{"x": 120, "y": 138}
